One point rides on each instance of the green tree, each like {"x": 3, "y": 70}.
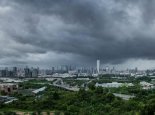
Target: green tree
{"x": 99, "y": 90}
{"x": 91, "y": 86}
{"x": 56, "y": 95}
{"x": 149, "y": 108}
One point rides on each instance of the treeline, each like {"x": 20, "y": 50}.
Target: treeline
{"x": 95, "y": 101}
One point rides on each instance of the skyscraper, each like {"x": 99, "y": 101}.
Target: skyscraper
{"x": 98, "y": 66}
{"x": 14, "y": 71}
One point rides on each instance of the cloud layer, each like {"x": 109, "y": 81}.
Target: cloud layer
{"x": 76, "y": 31}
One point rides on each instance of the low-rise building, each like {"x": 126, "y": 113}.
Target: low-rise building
{"x": 146, "y": 85}
{"x": 83, "y": 78}
{"x": 113, "y": 84}
{"x": 31, "y": 92}
{"x": 7, "y": 99}
{"x": 38, "y": 90}
{"x": 8, "y": 88}
{"x": 64, "y": 75}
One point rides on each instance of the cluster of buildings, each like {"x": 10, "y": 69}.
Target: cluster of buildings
{"x": 19, "y": 72}
{"x": 10, "y": 88}
{"x": 72, "y": 71}
{"x": 145, "y": 85}
{"x": 8, "y": 73}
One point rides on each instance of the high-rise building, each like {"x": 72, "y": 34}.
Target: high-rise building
{"x": 14, "y": 71}
{"x": 35, "y": 72}
{"x": 53, "y": 69}
{"x": 7, "y": 71}
{"x": 136, "y": 70}
{"x": 3, "y": 73}
{"x": 27, "y": 72}
{"x": 107, "y": 69}
{"x": 98, "y": 66}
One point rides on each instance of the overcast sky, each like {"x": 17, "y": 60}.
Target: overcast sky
{"x": 56, "y": 32}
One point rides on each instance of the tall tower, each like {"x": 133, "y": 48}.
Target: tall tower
{"x": 98, "y": 66}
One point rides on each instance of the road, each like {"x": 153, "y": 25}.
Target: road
{"x": 64, "y": 86}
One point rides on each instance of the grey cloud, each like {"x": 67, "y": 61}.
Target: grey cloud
{"x": 110, "y": 30}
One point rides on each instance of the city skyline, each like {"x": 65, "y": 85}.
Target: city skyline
{"x": 77, "y": 57}
{"x": 71, "y": 32}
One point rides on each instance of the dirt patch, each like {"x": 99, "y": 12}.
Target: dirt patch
{"x": 29, "y": 113}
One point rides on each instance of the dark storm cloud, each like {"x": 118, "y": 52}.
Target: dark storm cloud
{"x": 112, "y": 30}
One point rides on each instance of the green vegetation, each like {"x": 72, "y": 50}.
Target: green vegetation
{"x": 95, "y": 101}
{"x": 79, "y": 83}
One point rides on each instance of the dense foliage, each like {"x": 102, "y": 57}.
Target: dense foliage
{"x": 96, "y": 101}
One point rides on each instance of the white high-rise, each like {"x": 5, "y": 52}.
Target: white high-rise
{"x": 98, "y": 66}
